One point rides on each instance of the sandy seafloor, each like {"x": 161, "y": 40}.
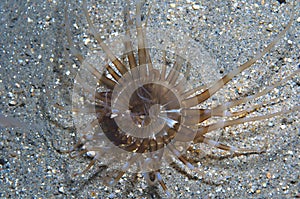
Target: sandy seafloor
{"x": 36, "y": 72}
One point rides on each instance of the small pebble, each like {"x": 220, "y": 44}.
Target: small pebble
{"x": 288, "y": 60}
{"x": 29, "y": 20}
{"x": 48, "y": 18}
{"x": 91, "y": 153}
{"x": 12, "y": 103}
{"x": 87, "y": 41}
{"x": 270, "y": 26}
{"x": 196, "y": 6}
{"x": 10, "y": 94}
{"x": 282, "y": 127}
{"x": 61, "y": 190}
{"x": 93, "y": 193}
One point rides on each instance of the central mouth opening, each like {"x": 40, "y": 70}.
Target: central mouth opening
{"x": 148, "y": 101}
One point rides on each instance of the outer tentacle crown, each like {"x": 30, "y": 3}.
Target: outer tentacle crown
{"x": 136, "y": 112}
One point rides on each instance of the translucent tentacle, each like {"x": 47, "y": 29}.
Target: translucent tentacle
{"x": 119, "y": 65}
{"x": 225, "y": 79}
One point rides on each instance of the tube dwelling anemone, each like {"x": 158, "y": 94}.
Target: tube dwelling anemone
{"x": 135, "y": 108}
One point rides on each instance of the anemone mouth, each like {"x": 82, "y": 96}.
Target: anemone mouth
{"x": 145, "y": 106}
